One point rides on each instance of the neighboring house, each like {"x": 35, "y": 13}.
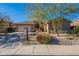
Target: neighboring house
{"x": 75, "y": 23}
{"x": 5, "y": 26}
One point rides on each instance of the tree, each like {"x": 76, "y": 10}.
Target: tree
{"x": 47, "y": 12}
{"x": 1, "y": 23}
{"x": 4, "y": 20}
{"x": 39, "y": 25}
{"x": 63, "y": 10}
{"x": 56, "y": 23}
{"x": 39, "y": 15}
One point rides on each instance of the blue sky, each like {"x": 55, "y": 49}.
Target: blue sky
{"x": 19, "y": 12}
{"x": 16, "y": 12}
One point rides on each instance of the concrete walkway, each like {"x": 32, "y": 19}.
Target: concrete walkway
{"x": 41, "y": 50}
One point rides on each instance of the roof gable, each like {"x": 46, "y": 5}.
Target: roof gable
{"x": 26, "y": 22}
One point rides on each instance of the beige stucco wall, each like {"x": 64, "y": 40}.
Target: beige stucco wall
{"x": 63, "y": 27}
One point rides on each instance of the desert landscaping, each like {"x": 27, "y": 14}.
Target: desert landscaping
{"x": 51, "y": 29}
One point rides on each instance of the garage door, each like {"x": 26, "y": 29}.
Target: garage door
{"x": 23, "y": 28}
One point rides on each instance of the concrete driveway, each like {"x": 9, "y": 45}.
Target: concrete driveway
{"x": 41, "y": 50}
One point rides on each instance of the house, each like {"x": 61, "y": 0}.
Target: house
{"x": 5, "y": 26}
{"x": 63, "y": 27}
{"x": 75, "y": 23}
{"x": 22, "y": 26}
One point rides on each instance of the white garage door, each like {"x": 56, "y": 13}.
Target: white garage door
{"x": 23, "y": 28}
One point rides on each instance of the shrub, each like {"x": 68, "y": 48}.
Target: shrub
{"x": 43, "y": 37}
{"x": 75, "y": 30}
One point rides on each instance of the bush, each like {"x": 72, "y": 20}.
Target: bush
{"x": 43, "y": 37}
{"x": 75, "y": 30}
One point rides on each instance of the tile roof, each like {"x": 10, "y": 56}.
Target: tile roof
{"x": 26, "y": 22}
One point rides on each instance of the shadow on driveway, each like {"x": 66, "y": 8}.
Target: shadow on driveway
{"x": 54, "y": 41}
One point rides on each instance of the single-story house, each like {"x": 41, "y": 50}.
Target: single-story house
{"x": 6, "y": 25}
{"x": 63, "y": 27}
{"x": 21, "y": 27}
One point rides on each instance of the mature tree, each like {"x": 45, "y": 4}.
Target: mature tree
{"x": 46, "y": 12}
{"x": 4, "y": 20}
{"x": 38, "y": 15}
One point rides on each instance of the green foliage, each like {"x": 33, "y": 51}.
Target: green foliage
{"x": 3, "y": 20}
{"x": 76, "y": 30}
{"x": 39, "y": 25}
{"x": 50, "y": 11}
{"x": 46, "y": 12}
{"x": 55, "y": 23}
{"x": 43, "y": 38}
{"x": 1, "y": 23}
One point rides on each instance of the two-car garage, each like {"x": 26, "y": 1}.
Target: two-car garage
{"x": 22, "y": 27}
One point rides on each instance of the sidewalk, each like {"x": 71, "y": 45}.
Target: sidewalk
{"x": 41, "y": 50}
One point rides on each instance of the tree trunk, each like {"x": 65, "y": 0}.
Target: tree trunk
{"x": 56, "y": 29}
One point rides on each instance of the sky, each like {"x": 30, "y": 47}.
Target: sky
{"x": 19, "y": 12}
